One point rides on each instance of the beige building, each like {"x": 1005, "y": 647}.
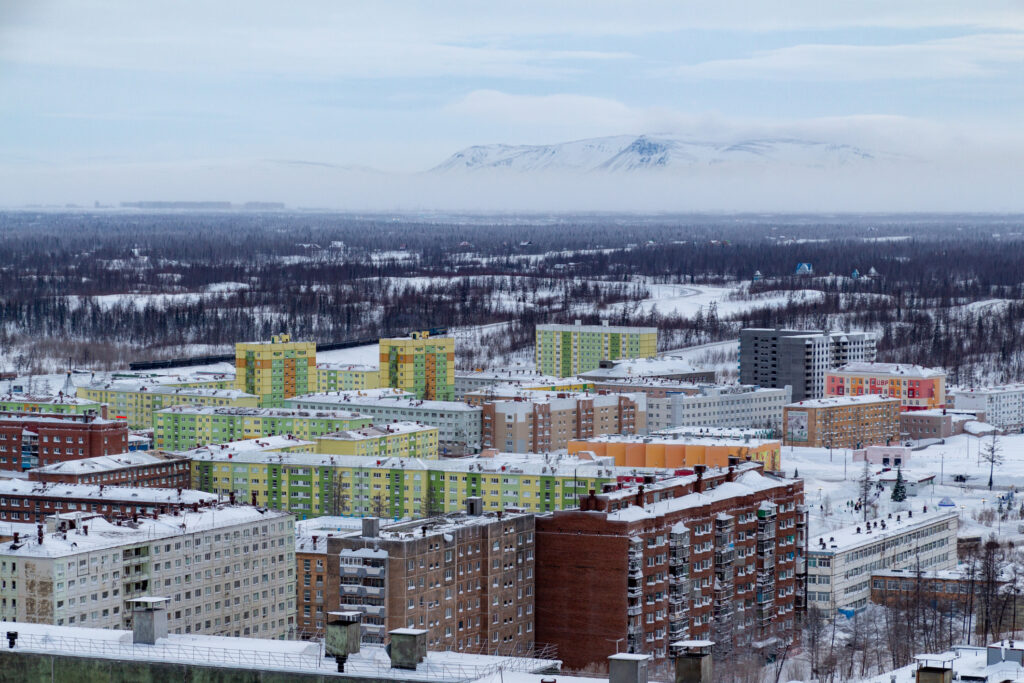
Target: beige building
{"x": 227, "y": 571}
{"x": 539, "y": 422}
{"x": 842, "y": 422}
{"x": 467, "y": 578}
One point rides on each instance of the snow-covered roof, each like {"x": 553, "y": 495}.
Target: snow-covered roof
{"x": 135, "y": 386}
{"x": 990, "y": 391}
{"x": 555, "y": 398}
{"x": 834, "y": 401}
{"x": 890, "y": 369}
{"x": 47, "y": 399}
{"x": 247, "y": 447}
{"x": 100, "y": 492}
{"x": 378, "y": 431}
{"x": 846, "y": 539}
{"x": 978, "y": 428}
{"x": 613, "y": 329}
{"x": 287, "y": 413}
{"x": 669, "y": 439}
{"x": 61, "y": 419}
{"x": 107, "y": 463}
{"x": 635, "y": 368}
{"x": 350, "y": 367}
{"x": 380, "y": 398}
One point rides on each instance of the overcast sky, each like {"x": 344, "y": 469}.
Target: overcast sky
{"x": 223, "y": 99}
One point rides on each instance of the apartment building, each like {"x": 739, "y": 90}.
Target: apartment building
{"x": 183, "y": 427}
{"x": 458, "y": 425}
{"x": 134, "y": 401}
{"x": 151, "y": 469}
{"x": 843, "y": 422}
{"x": 916, "y": 387}
{"x": 539, "y": 422}
{"x": 59, "y": 404}
{"x": 467, "y": 578}
{"x": 799, "y": 358}
{"x": 668, "y": 368}
{"x": 521, "y": 378}
{"x": 346, "y": 377}
{"x": 32, "y": 501}
{"x": 36, "y": 439}
{"x": 393, "y": 439}
{"x": 228, "y": 570}
{"x": 1002, "y": 406}
{"x": 719, "y": 406}
{"x": 276, "y": 370}
{"x": 312, "y": 485}
{"x": 676, "y": 450}
{"x": 568, "y": 350}
{"x": 840, "y": 563}
{"x": 421, "y": 364}
{"x": 708, "y": 556}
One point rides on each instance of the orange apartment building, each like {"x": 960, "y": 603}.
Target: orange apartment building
{"x": 916, "y": 387}
{"x": 539, "y": 422}
{"x": 842, "y": 422}
{"x": 680, "y": 450}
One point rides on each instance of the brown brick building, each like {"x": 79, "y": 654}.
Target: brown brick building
{"x": 842, "y": 422}
{"x": 317, "y": 590}
{"x": 706, "y": 556}
{"x": 28, "y": 441}
{"x": 154, "y": 469}
{"x": 538, "y": 422}
{"x": 466, "y": 578}
{"x": 949, "y": 589}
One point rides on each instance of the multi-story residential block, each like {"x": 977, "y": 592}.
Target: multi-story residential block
{"x": 312, "y": 485}
{"x": 668, "y": 368}
{"x": 799, "y": 358}
{"x": 467, "y": 578}
{"x": 843, "y": 422}
{"x": 840, "y": 563}
{"x": 32, "y": 501}
{"x": 59, "y": 404}
{"x": 153, "y": 469}
{"x": 346, "y": 377}
{"x": 539, "y": 422}
{"x": 1002, "y": 406}
{"x": 135, "y": 401}
{"x": 183, "y": 427}
{"x": 676, "y": 450}
{"x": 420, "y": 363}
{"x": 522, "y": 378}
{"x": 392, "y": 439}
{"x": 458, "y": 424}
{"x": 720, "y": 406}
{"x": 35, "y": 439}
{"x": 916, "y": 387}
{"x": 276, "y": 370}
{"x": 228, "y": 570}
{"x": 709, "y": 556}
{"x": 565, "y": 350}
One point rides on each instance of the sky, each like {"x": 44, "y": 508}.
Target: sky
{"x": 345, "y": 104}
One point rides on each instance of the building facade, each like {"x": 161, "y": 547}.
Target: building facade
{"x": 538, "y": 422}
{"x": 799, "y": 358}
{"x": 135, "y": 401}
{"x": 720, "y": 406}
{"x": 184, "y": 427}
{"x": 1002, "y": 406}
{"x": 60, "y": 404}
{"x": 843, "y": 422}
{"x": 680, "y": 450}
{"x": 38, "y": 439}
{"x": 346, "y": 377}
{"x": 420, "y": 364}
{"x": 152, "y": 469}
{"x": 840, "y": 563}
{"x": 521, "y": 378}
{"x": 32, "y": 501}
{"x": 276, "y": 370}
{"x": 709, "y": 556}
{"x": 916, "y": 387}
{"x": 567, "y": 350}
{"x": 390, "y": 440}
{"x": 227, "y": 571}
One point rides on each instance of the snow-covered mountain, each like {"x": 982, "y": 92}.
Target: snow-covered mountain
{"x": 628, "y": 153}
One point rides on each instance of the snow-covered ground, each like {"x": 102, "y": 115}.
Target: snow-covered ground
{"x": 687, "y": 300}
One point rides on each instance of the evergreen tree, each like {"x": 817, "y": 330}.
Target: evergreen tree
{"x": 899, "y": 490}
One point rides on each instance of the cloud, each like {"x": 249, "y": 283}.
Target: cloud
{"x": 970, "y": 56}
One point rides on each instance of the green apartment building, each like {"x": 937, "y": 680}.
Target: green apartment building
{"x": 568, "y": 350}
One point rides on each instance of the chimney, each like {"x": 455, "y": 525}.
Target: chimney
{"x": 344, "y": 632}
{"x": 408, "y": 647}
{"x": 39, "y": 533}
{"x": 640, "y": 496}
{"x": 698, "y": 485}
{"x": 474, "y": 506}
{"x": 937, "y": 669}
{"x": 628, "y": 668}
{"x": 694, "y": 663}
{"x": 254, "y": 498}
{"x": 149, "y": 620}
{"x": 731, "y": 474}
{"x": 371, "y": 527}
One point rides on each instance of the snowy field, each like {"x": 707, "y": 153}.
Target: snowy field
{"x": 687, "y": 300}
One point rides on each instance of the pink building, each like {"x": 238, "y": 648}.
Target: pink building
{"x": 916, "y": 387}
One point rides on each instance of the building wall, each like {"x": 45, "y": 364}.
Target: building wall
{"x": 421, "y": 364}
{"x": 137, "y": 406}
{"x": 523, "y": 426}
{"x": 347, "y": 379}
{"x": 173, "y": 473}
{"x": 276, "y": 370}
{"x": 566, "y": 350}
{"x": 913, "y": 393}
{"x": 676, "y": 454}
{"x": 26, "y": 442}
{"x": 1003, "y": 406}
{"x": 421, "y": 443}
{"x": 757, "y": 408}
{"x": 845, "y": 426}
{"x": 181, "y": 430}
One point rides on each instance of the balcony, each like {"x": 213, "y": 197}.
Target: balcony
{"x": 634, "y": 610}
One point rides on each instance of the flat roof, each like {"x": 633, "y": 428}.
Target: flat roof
{"x": 378, "y": 431}
{"x": 665, "y": 439}
{"x": 892, "y": 369}
{"x": 636, "y": 368}
{"x": 136, "y": 386}
{"x": 382, "y": 399}
{"x": 246, "y": 446}
{"x": 99, "y": 492}
{"x": 107, "y": 463}
{"x": 834, "y": 401}
{"x": 287, "y": 413}
{"x": 615, "y": 329}
{"x": 47, "y": 399}
{"x": 847, "y": 538}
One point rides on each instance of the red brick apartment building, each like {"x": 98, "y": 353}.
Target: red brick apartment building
{"x": 33, "y": 501}
{"x": 706, "y": 556}
{"x": 28, "y": 441}
{"x": 152, "y": 469}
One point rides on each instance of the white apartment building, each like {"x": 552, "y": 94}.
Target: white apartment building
{"x": 720, "y": 406}
{"x": 1003, "y": 405}
{"x": 840, "y": 562}
{"x": 458, "y": 424}
{"x": 227, "y": 571}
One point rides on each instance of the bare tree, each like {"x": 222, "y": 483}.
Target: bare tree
{"x": 992, "y": 454}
